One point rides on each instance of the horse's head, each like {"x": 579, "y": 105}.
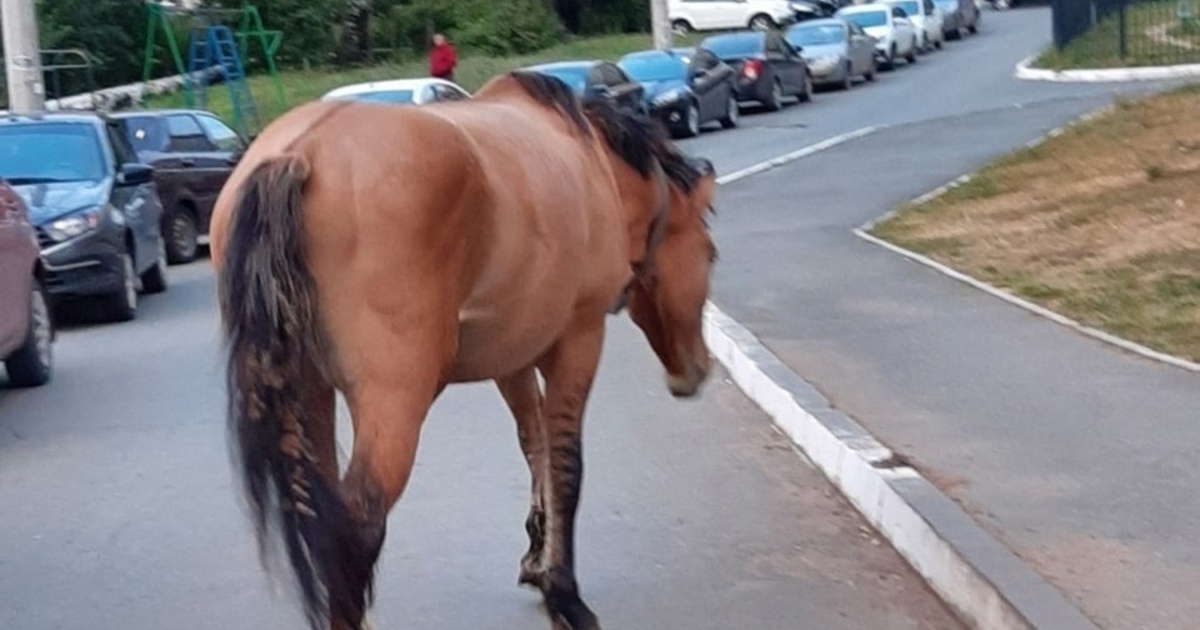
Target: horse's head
{"x": 670, "y": 287}
{"x": 668, "y": 196}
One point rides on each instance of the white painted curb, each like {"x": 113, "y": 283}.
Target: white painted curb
{"x": 1104, "y": 75}
{"x": 973, "y": 573}
{"x": 863, "y": 232}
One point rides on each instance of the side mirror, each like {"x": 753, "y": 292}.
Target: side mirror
{"x": 133, "y": 174}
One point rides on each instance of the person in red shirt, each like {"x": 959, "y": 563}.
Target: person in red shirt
{"x": 442, "y": 59}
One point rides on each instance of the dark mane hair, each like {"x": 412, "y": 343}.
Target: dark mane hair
{"x": 554, "y": 93}
{"x": 639, "y": 140}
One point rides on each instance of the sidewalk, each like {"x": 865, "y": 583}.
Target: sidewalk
{"x": 1076, "y": 455}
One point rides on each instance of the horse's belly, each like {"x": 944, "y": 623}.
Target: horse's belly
{"x": 493, "y": 344}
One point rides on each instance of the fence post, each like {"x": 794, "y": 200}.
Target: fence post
{"x": 1124, "y": 38}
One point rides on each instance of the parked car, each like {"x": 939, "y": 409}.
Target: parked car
{"x": 597, "y": 80}
{"x": 893, "y": 32}
{"x": 837, "y": 51}
{"x": 768, "y": 68}
{"x": 959, "y": 16}
{"x": 421, "y": 91}
{"x": 93, "y": 205}
{"x": 926, "y": 18}
{"x": 722, "y": 15}
{"x": 685, "y": 88}
{"x": 26, "y": 326}
{"x": 193, "y": 153}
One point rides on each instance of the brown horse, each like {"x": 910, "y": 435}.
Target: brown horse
{"x": 388, "y": 252}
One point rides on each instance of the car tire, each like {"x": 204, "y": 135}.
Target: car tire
{"x": 681, "y": 27}
{"x": 848, "y": 79}
{"x": 761, "y": 22}
{"x": 941, "y": 41}
{"x": 33, "y": 363}
{"x": 870, "y": 75}
{"x": 775, "y": 100}
{"x": 689, "y": 127}
{"x": 806, "y": 95}
{"x": 732, "y": 113}
{"x": 155, "y": 278}
{"x": 890, "y": 62}
{"x": 911, "y": 57}
{"x": 122, "y": 305}
{"x": 182, "y": 237}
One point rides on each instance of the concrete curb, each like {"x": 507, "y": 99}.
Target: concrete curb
{"x": 863, "y": 232}
{"x": 1104, "y": 75}
{"x": 988, "y": 586}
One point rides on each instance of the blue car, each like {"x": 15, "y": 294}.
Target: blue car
{"x": 685, "y": 88}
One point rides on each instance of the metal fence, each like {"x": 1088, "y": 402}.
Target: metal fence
{"x": 1128, "y": 32}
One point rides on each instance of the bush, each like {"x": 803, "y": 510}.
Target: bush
{"x": 486, "y": 26}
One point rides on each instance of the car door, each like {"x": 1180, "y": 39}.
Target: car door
{"x": 904, "y": 29}
{"x": 140, "y": 204}
{"x": 18, "y": 249}
{"x": 862, "y": 48}
{"x": 217, "y": 165}
{"x": 710, "y": 81}
{"x": 203, "y": 167}
{"x": 789, "y": 66}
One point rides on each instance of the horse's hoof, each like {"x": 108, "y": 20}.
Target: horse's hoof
{"x": 530, "y": 577}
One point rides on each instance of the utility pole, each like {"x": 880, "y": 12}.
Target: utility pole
{"x": 23, "y": 57}
{"x": 660, "y": 24}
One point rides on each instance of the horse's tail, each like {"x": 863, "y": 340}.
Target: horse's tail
{"x": 276, "y": 346}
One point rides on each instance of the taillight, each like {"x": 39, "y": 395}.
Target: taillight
{"x": 752, "y": 68}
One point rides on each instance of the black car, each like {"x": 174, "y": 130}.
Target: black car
{"x": 193, "y": 152}
{"x": 768, "y": 68}
{"x": 597, "y": 80}
{"x": 94, "y": 207}
{"x": 685, "y": 88}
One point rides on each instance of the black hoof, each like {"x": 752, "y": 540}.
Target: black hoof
{"x": 567, "y": 611}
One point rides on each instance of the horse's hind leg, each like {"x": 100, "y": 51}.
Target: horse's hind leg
{"x": 569, "y": 369}
{"x": 520, "y": 390}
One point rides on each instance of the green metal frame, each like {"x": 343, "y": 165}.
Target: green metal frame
{"x": 250, "y": 26}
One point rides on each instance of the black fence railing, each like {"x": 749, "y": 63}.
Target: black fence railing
{"x": 1128, "y": 32}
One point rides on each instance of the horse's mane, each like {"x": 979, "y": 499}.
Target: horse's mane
{"x": 639, "y": 140}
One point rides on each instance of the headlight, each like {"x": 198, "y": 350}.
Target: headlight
{"x": 669, "y": 95}
{"x": 75, "y": 225}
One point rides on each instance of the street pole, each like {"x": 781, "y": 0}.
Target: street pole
{"x": 22, "y": 56}
{"x": 660, "y": 24}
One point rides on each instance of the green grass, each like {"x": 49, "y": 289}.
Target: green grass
{"x": 1100, "y": 47}
{"x": 472, "y": 72}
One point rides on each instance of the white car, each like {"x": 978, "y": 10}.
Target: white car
{"x": 711, "y": 15}
{"x": 927, "y": 19}
{"x": 894, "y": 33}
{"x": 401, "y": 91}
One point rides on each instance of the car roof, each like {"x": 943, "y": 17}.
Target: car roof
{"x": 736, "y": 35}
{"x": 81, "y": 116}
{"x": 130, "y": 113}
{"x": 566, "y": 65}
{"x": 389, "y": 84}
{"x": 673, "y": 53}
{"x": 864, "y": 8}
{"x": 818, "y": 22}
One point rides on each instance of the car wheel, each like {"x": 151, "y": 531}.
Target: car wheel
{"x": 32, "y": 364}
{"x": 681, "y": 27}
{"x": 775, "y": 100}
{"x": 870, "y": 76}
{"x": 806, "y": 95}
{"x": 182, "y": 237}
{"x": 911, "y": 57}
{"x": 848, "y": 78}
{"x": 762, "y": 22}
{"x": 890, "y": 62}
{"x": 123, "y": 304}
{"x": 940, "y": 41}
{"x": 155, "y": 279}
{"x": 731, "y": 113}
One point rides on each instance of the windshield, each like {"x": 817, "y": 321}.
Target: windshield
{"x": 146, "y": 133}
{"x": 575, "y": 78}
{"x": 50, "y": 152}
{"x": 947, "y": 5}
{"x": 911, "y": 8}
{"x": 736, "y": 47}
{"x": 818, "y": 35}
{"x": 382, "y": 96}
{"x": 653, "y": 68}
{"x": 867, "y": 19}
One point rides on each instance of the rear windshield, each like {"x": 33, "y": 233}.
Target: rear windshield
{"x": 50, "y": 152}
{"x": 911, "y": 8}
{"x": 382, "y": 96}
{"x": 653, "y": 68}
{"x": 867, "y": 19}
{"x": 817, "y": 35}
{"x": 736, "y": 46}
{"x": 575, "y": 78}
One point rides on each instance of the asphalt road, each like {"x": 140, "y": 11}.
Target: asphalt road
{"x": 1079, "y": 456}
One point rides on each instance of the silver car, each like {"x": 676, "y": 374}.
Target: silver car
{"x": 837, "y": 51}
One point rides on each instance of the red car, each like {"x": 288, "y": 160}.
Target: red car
{"x": 26, "y": 327}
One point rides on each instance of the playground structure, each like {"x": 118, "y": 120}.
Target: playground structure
{"x": 216, "y": 52}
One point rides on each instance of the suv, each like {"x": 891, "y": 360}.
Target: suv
{"x": 718, "y": 15}
{"x": 193, "y": 152}
{"x": 93, "y": 205}
{"x": 26, "y": 327}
